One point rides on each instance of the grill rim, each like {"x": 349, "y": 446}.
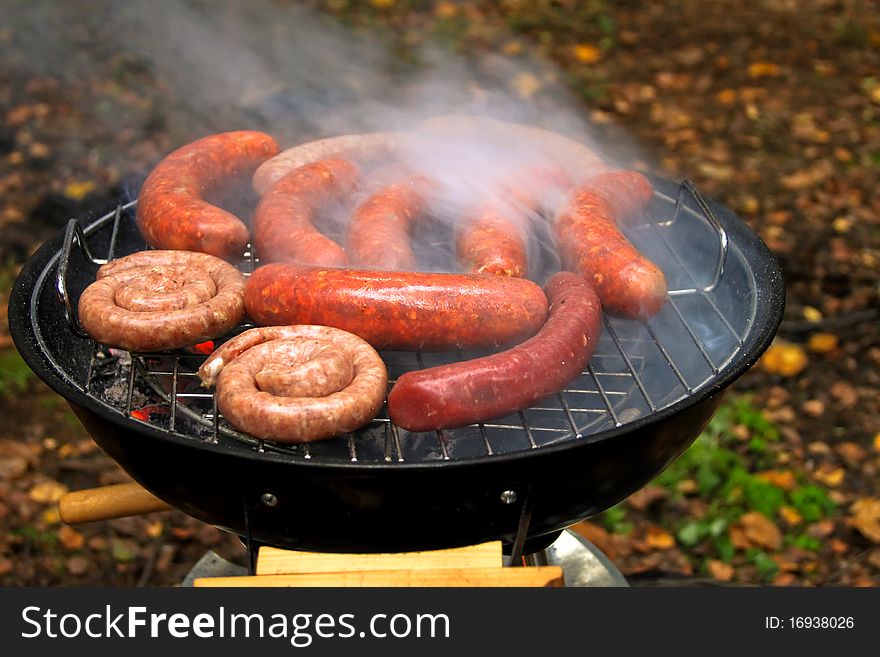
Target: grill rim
{"x": 769, "y": 307}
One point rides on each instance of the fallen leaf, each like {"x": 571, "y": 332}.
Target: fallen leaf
{"x": 642, "y": 499}
{"x": 659, "y": 539}
{"x": 687, "y": 486}
{"x": 831, "y": 478}
{"x": 763, "y": 69}
{"x": 719, "y": 570}
{"x": 845, "y": 393}
{"x": 811, "y": 314}
{"x": 784, "y": 579}
{"x": 838, "y": 547}
{"x": 586, "y": 53}
{"x": 851, "y": 452}
{"x": 51, "y": 515}
{"x": 866, "y": 518}
{"x": 445, "y": 10}
{"x": 726, "y": 96}
{"x": 822, "y": 343}
{"x": 790, "y": 515}
{"x": 155, "y": 529}
{"x": 877, "y": 442}
{"x": 842, "y": 225}
{"x": 814, "y": 407}
{"x": 78, "y": 190}
{"x": 5, "y": 566}
{"x": 821, "y": 529}
{"x": 807, "y": 177}
{"x": 785, "y": 479}
{"x": 123, "y": 549}
{"x": 382, "y": 4}
{"x": 593, "y": 533}
{"x": 760, "y": 530}
{"x": 874, "y": 558}
{"x": 70, "y": 538}
{"x": 785, "y": 359}
{"x": 12, "y": 467}
{"x": 47, "y": 491}
{"x": 738, "y": 538}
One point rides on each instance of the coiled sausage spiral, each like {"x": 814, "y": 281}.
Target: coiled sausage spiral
{"x": 155, "y": 300}
{"x": 296, "y": 383}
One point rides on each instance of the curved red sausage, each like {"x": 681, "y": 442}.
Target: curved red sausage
{"x": 282, "y": 225}
{"x": 591, "y": 244}
{"x": 399, "y": 310}
{"x": 378, "y": 236}
{"x": 172, "y": 213}
{"x": 482, "y": 389}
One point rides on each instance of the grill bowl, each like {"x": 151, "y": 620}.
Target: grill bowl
{"x": 646, "y": 396}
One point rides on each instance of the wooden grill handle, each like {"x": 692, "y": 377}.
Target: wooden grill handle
{"x": 108, "y": 502}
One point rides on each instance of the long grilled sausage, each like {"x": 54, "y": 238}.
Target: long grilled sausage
{"x": 348, "y": 147}
{"x": 399, "y": 310}
{"x": 296, "y": 383}
{"x": 477, "y": 390}
{"x": 378, "y": 236}
{"x": 156, "y": 300}
{"x": 590, "y": 243}
{"x": 172, "y": 213}
{"x": 282, "y": 225}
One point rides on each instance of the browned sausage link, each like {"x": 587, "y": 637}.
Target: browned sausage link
{"x": 378, "y": 235}
{"x": 494, "y": 386}
{"x": 591, "y": 244}
{"x": 155, "y": 300}
{"x": 491, "y": 242}
{"x": 172, "y": 213}
{"x": 399, "y": 310}
{"x": 297, "y": 383}
{"x": 282, "y": 226}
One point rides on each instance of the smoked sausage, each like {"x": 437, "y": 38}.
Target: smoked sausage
{"x": 406, "y": 311}
{"x": 590, "y": 243}
{"x": 482, "y": 389}
{"x": 172, "y": 212}
{"x": 282, "y": 225}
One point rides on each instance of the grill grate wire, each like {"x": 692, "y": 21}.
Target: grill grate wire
{"x": 615, "y": 376}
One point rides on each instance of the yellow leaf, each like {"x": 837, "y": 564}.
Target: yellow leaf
{"x": 760, "y": 530}
{"x": 512, "y": 47}
{"x": 79, "y": 190}
{"x": 877, "y": 442}
{"x": 841, "y": 225}
{"x": 659, "y": 539}
{"x": 812, "y": 314}
{"x": 790, "y": 515}
{"x": 70, "y": 538}
{"x": 526, "y": 84}
{"x": 832, "y": 478}
{"x": 763, "y": 70}
{"x": 586, "y": 53}
{"x": 866, "y": 518}
{"x": 382, "y": 4}
{"x": 155, "y": 529}
{"x": 50, "y": 515}
{"x": 875, "y": 94}
{"x": 785, "y": 359}
{"x": 47, "y": 491}
{"x": 822, "y": 343}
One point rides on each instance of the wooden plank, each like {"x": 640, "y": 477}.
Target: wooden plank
{"x": 273, "y": 561}
{"x": 452, "y": 577}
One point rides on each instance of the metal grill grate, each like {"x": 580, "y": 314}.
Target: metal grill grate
{"x": 638, "y": 368}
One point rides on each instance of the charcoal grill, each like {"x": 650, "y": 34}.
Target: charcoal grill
{"x": 645, "y": 396}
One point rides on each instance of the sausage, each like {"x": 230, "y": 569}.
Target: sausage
{"x": 378, "y": 235}
{"x": 282, "y": 225}
{"x": 399, "y": 310}
{"x": 591, "y": 244}
{"x": 490, "y": 241}
{"x": 172, "y": 212}
{"x": 349, "y": 147}
{"x": 296, "y": 383}
{"x": 157, "y": 300}
{"x": 485, "y": 388}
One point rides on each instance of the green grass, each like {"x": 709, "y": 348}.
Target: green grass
{"x": 14, "y": 373}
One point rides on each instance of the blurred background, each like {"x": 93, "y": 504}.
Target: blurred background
{"x": 771, "y": 107}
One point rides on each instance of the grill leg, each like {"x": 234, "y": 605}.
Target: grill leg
{"x": 522, "y": 530}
